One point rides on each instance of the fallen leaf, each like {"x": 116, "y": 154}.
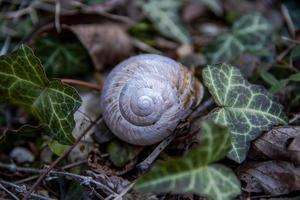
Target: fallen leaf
{"x": 277, "y": 144}
{"x": 106, "y": 43}
{"x": 272, "y": 177}
{"x": 245, "y": 108}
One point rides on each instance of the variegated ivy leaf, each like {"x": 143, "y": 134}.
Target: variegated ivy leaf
{"x": 23, "y": 82}
{"x": 164, "y": 15}
{"x": 213, "y": 5}
{"x": 245, "y": 108}
{"x": 249, "y": 34}
{"x": 194, "y": 172}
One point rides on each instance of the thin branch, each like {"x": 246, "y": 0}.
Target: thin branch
{"x": 293, "y": 41}
{"x": 9, "y": 192}
{"x": 145, "y": 165}
{"x": 57, "y": 16}
{"x": 202, "y": 108}
{"x": 22, "y": 190}
{"x": 295, "y": 118}
{"x": 287, "y": 18}
{"x": 125, "y": 191}
{"x": 63, "y": 168}
{"x": 44, "y": 174}
{"x": 82, "y": 84}
{"x": 84, "y": 180}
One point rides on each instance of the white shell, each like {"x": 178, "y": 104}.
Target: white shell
{"x": 146, "y": 96}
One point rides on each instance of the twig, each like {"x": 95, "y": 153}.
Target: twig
{"x": 293, "y": 41}
{"x": 85, "y": 180}
{"x": 145, "y": 165}
{"x": 9, "y": 192}
{"x": 295, "y": 118}
{"x": 287, "y": 18}
{"x": 60, "y": 158}
{"x": 82, "y": 84}
{"x": 22, "y": 190}
{"x": 57, "y": 15}
{"x": 15, "y": 168}
{"x": 75, "y": 164}
{"x": 280, "y": 57}
{"x": 5, "y": 46}
{"x": 144, "y": 47}
{"x": 64, "y": 168}
{"x": 127, "y": 189}
{"x": 203, "y": 107}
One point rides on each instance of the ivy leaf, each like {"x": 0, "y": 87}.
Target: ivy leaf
{"x": 213, "y": 5}
{"x": 248, "y": 34}
{"x": 57, "y": 148}
{"x": 252, "y": 30}
{"x": 164, "y": 16}
{"x": 62, "y": 59}
{"x": 245, "y": 108}
{"x": 23, "y": 82}
{"x": 194, "y": 173}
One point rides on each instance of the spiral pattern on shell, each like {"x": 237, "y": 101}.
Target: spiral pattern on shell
{"x": 145, "y": 97}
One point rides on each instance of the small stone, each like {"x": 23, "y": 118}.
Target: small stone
{"x": 21, "y": 155}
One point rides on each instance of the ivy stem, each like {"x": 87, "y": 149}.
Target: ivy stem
{"x": 82, "y": 84}
{"x": 203, "y": 107}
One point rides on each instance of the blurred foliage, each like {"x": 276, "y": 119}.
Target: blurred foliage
{"x": 121, "y": 153}
{"x": 164, "y": 15}
{"x": 294, "y": 10}
{"x": 144, "y": 31}
{"x": 249, "y": 35}
{"x": 57, "y": 148}
{"x": 277, "y": 85}
{"x": 75, "y": 191}
{"x": 11, "y": 138}
{"x": 91, "y": 2}
{"x": 17, "y": 30}
{"x": 213, "y": 5}
{"x": 62, "y": 59}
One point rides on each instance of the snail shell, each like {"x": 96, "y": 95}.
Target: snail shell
{"x": 146, "y": 96}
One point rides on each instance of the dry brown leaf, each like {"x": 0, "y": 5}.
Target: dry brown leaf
{"x": 106, "y": 43}
{"x": 272, "y": 177}
{"x": 277, "y": 144}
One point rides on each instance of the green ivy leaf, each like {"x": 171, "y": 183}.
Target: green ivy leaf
{"x": 249, "y": 34}
{"x": 277, "y": 85}
{"x": 62, "y": 59}
{"x": 57, "y": 148}
{"x": 164, "y": 16}
{"x": 194, "y": 172}
{"x": 213, "y": 5}
{"x": 23, "y": 82}
{"x": 245, "y": 108}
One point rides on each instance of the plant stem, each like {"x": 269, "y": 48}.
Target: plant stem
{"x": 9, "y": 192}
{"x": 82, "y": 84}
{"x": 22, "y": 190}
